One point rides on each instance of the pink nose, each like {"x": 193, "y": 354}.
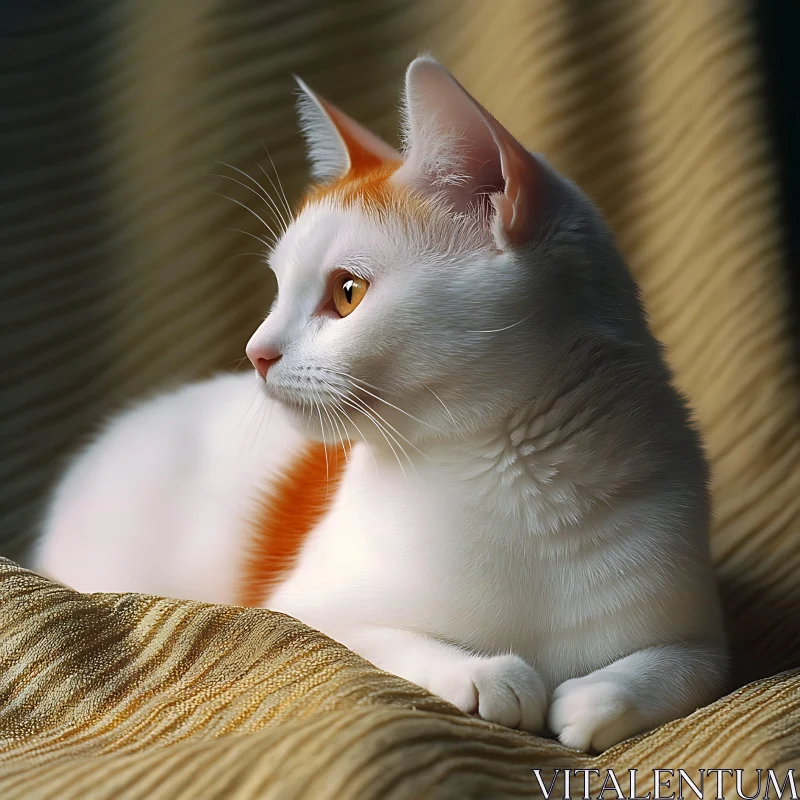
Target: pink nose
{"x": 262, "y": 358}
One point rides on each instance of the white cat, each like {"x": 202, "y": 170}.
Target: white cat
{"x": 520, "y": 522}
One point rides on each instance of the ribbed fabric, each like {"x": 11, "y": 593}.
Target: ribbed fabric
{"x": 118, "y": 275}
{"x": 129, "y": 696}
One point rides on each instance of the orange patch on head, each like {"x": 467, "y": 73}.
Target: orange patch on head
{"x": 370, "y": 186}
{"x": 287, "y": 514}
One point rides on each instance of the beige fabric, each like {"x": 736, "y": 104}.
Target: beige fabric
{"x": 112, "y": 696}
{"x": 118, "y": 276}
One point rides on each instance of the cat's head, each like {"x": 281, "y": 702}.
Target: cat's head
{"x": 427, "y": 294}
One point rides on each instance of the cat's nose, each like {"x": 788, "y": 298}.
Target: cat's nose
{"x": 262, "y": 357}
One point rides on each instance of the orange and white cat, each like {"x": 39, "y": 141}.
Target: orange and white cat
{"x": 466, "y": 460}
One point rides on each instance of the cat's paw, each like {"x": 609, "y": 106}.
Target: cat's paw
{"x": 503, "y": 689}
{"x": 593, "y": 713}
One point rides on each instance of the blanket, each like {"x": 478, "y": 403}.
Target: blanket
{"x": 113, "y": 696}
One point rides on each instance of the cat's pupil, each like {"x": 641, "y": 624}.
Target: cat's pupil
{"x": 348, "y": 290}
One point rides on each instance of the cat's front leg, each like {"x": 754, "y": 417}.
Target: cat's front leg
{"x": 636, "y": 694}
{"x": 501, "y": 688}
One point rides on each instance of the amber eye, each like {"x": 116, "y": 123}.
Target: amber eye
{"x": 348, "y": 292}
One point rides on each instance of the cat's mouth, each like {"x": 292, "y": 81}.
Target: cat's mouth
{"x": 289, "y": 398}
{"x": 302, "y": 401}
{"x": 321, "y": 414}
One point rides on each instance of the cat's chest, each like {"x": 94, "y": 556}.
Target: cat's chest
{"x": 458, "y": 553}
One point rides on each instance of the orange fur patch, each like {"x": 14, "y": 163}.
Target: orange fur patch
{"x": 286, "y": 516}
{"x": 368, "y": 186}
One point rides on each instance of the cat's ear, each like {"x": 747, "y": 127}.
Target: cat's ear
{"x": 337, "y": 144}
{"x": 455, "y": 147}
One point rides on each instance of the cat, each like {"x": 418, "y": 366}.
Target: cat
{"x": 466, "y": 459}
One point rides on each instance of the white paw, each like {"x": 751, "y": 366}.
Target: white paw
{"x": 502, "y": 689}
{"x": 593, "y": 713}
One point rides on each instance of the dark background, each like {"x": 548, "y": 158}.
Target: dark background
{"x": 779, "y": 24}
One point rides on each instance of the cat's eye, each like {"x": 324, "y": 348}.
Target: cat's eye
{"x": 348, "y": 292}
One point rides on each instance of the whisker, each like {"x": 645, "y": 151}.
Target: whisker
{"x": 256, "y": 393}
{"x": 249, "y": 430}
{"x": 352, "y": 378}
{"x": 250, "y": 189}
{"x": 264, "y": 194}
{"x": 442, "y": 403}
{"x": 360, "y": 433}
{"x": 342, "y": 435}
{"x": 337, "y": 403}
{"x": 278, "y": 211}
{"x": 259, "y": 256}
{"x": 507, "y": 327}
{"x": 278, "y": 178}
{"x": 257, "y": 415}
{"x": 384, "y": 427}
{"x": 352, "y": 395}
{"x": 390, "y": 429}
{"x": 382, "y": 432}
{"x": 264, "y": 418}
{"x": 269, "y": 245}
{"x": 277, "y": 221}
{"x": 357, "y": 381}
{"x": 247, "y": 208}
{"x": 324, "y": 449}
{"x": 339, "y": 431}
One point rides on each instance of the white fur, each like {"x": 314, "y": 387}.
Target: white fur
{"x": 522, "y": 525}
{"x": 326, "y": 151}
{"x": 142, "y": 508}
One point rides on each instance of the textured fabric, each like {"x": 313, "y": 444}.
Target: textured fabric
{"x": 133, "y": 696}
{"x": 120, "y": 274}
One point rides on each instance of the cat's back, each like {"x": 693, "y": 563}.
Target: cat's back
{"x": 161, "y": 501}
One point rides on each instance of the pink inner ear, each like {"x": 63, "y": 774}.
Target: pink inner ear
{"x": 450, "y": 131}
{"x": 366, "y": 151}
{"x": 517, "y": 208}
